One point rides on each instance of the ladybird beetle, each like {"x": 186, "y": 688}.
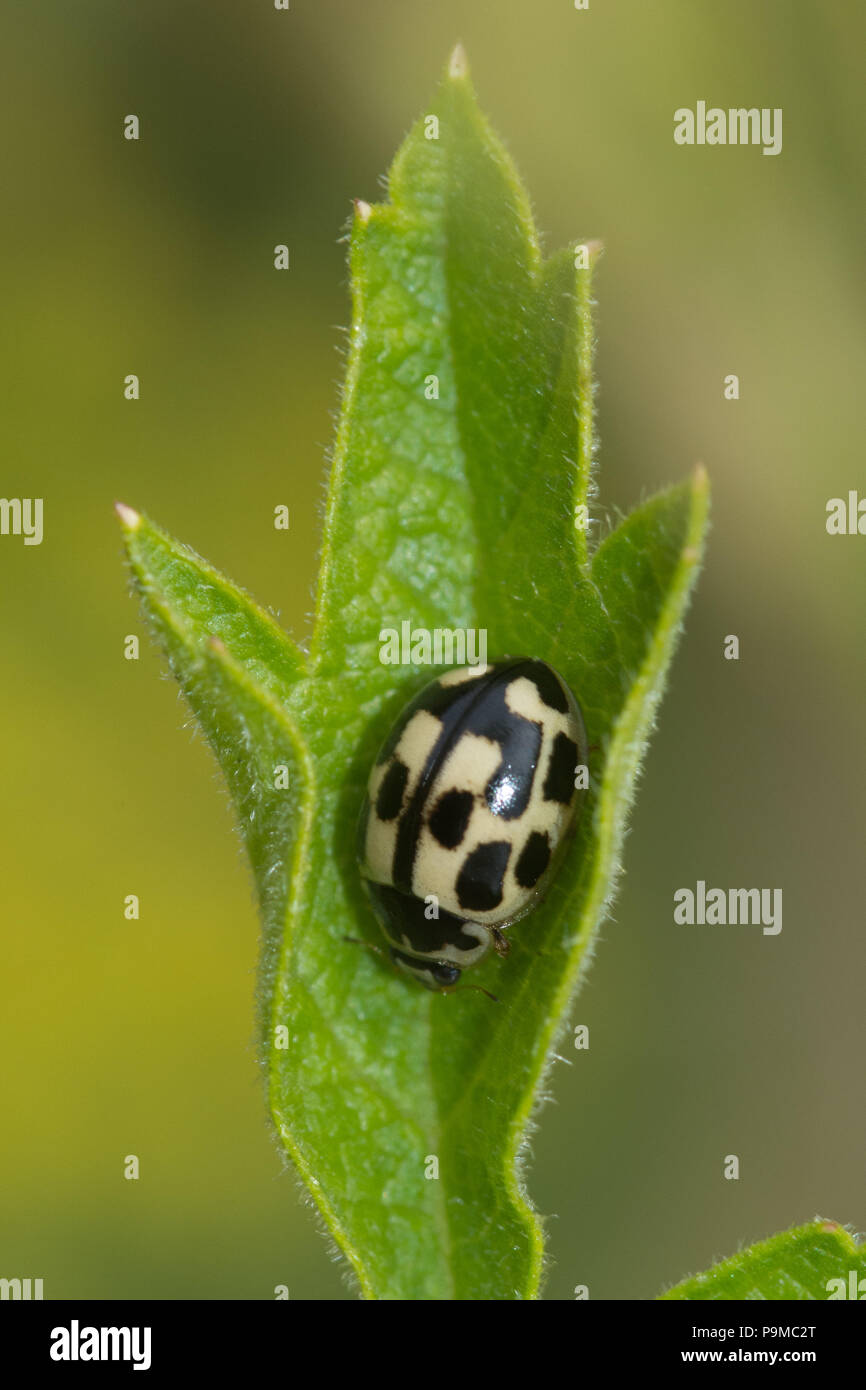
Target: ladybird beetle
{"x": 468, "y": 808}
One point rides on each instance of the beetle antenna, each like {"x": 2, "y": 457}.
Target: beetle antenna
{"x": 460, "y": 989}
{"x": 358, "y": 941}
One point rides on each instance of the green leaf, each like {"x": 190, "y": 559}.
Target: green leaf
{"x": 235, "y": 666}
{"x": 807, "y": 1262}
{"x": 446, "y": 509}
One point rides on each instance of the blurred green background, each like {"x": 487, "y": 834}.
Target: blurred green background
{"x": 258, "y": 127}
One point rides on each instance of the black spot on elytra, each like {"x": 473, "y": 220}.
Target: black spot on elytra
{"x": 390, "y": 797}
{"x": 450, "y": 817}
{"x": 479, "y": 883}
{"x": 509, "y": 789}
{"x": 559, "y": 782}
{"x": 548, "y": 685}
{"x": 534, "y": 859}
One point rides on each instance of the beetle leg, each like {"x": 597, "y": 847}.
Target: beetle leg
{"x": 500, "y": 945}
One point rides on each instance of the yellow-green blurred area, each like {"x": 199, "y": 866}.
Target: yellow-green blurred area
{"x": 156, "y": 258}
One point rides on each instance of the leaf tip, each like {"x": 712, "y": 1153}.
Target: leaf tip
{"x": 362, "y": 210}
{"x": 129, "y": 518}
{"x": 701, "y": 477}
{"x": 458, "y": 63}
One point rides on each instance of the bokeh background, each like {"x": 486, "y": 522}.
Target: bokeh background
{"x": 258, "y": 127}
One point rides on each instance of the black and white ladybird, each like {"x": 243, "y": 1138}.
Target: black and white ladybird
{"x": 467, "y": 811}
